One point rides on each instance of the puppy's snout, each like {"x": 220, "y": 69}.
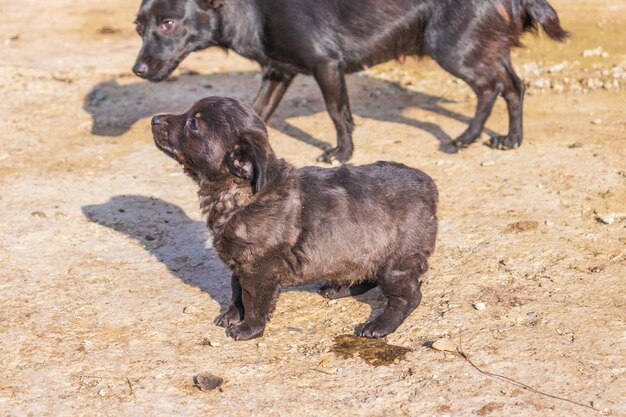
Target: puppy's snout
{"x": 140, "y": 69}
{"x": 157, "y": 120}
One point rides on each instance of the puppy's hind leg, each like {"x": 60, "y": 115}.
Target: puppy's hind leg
{"x": 400, "y": 285}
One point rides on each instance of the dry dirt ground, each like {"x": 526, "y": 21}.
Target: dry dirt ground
{"x": 108, "y": 293}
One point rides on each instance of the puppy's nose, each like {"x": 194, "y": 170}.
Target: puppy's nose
{"x": 156, "y": 120}
{"x": 140, "y": 69}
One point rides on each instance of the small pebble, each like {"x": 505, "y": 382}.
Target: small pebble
{"x": 207, "y": 382}
{"x": 531, "y": 314}
{"x": 487, "y": 163}
{"x": 596, "y": 122}
{"x": 444, "y": 345}
{"x": 606, "y": 219}
{"x": 261, "y": 344}
{"x": 103, "y": 392}
{"x": 39, "y": 214}
{"x": 215, "y": 344}
{"x": 480, "y": 306}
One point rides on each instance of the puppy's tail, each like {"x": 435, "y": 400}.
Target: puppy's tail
{"x": 540, "y": 12}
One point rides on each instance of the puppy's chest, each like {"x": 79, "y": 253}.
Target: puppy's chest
{"x": 220, "y": 206}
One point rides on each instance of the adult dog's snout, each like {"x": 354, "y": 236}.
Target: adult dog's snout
{"x": 141, "y": 69}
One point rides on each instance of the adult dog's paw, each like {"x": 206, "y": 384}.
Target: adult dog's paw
{"x": 504, "y": 142}
{"x": 244, "y": 331}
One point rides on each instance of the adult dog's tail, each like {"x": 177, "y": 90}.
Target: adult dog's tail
{"x": 540, "y": 12}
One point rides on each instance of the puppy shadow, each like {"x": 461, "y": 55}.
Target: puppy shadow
{"x": 170, "y": 236}
{"x": 117, "y": 104}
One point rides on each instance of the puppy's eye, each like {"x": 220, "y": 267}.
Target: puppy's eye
{"x": 167, "y": 24}
{"x": 193, "y": 125}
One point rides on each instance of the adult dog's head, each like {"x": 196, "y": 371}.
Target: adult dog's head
{"x": 171, "y": 29}
{"x": 217, "y": 138}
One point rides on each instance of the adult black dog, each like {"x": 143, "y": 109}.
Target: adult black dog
{"x": 471, "y": 39}
{"x": 274, "y": 225}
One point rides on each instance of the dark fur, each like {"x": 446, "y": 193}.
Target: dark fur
{"x": 471, "y": 39}
{"x": 275, "y": 226}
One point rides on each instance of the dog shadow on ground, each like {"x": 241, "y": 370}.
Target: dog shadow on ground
{"x": 181, "y": 244}
{"x": 117, "y": 106}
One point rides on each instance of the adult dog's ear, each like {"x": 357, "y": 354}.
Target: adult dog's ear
{"x": 210, "y": 4}
{"x": 249, "y": 161}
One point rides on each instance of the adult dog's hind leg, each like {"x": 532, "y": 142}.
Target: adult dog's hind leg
{"x": 273, "y": 87}
{"x": 514, "y": 95}
{"x": 331, "y": 80}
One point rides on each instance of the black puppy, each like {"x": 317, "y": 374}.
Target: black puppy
{"x": 471, "y": 39}
{"x": 275, "y": 226}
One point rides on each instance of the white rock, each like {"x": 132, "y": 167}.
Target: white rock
{"x": 487, "y": 163}
{"x": 480, "y": 306}
{"x": 103, "y": 392}
{"x": 606, "y": 219}
{"x": 596, "y": 122}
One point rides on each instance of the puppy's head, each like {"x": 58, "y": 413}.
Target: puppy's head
{"x": 171, "y": 29}
{"x": 217, "y": 138}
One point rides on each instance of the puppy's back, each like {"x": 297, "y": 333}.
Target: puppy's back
{"x": 356, "y": 218}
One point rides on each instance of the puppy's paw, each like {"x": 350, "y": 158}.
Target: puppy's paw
{"x": 504, "y": 142}
{"x": 374, "y": 330}
{"x": 244, "y": 331}
{"x": 333, "y": 292}
{"x": 230, "y": 316}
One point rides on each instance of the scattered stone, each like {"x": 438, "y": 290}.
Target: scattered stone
{"x": 214, "y": 344}
{"x": 207, "y": 382}
{"x": 487, "y": 163}
{"x": 596, "y": 122}
{"x": 444, "y": 345}
{"x": 39, "y": 214}
{"x": 575, "y": 145}
{"x": 480, "y": 306}
{"x": 522, "y": 226}
{"x": 103, "y": 392}
{"x": 606, "y": 219}
{"x": 531, "y": 314}
{"x": 261, "y": 344}
{"x": 505, "y": 261}
{"x": 588, "y": 53}
{"x": 107, "y": 30}
{"x": 190, "y": 310}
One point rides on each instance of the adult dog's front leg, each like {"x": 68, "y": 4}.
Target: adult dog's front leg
{"x": 330, "y": 78}
{"x": 235, "y": 312}
{"x": 273, "y": 88}
{"x": 259, "y": 299}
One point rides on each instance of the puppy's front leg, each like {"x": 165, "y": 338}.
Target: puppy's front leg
{"x": 259, "y": 298}
{"x": 235, "y": 312}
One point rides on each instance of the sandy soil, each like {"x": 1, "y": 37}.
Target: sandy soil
{"x": 108, "y": 293}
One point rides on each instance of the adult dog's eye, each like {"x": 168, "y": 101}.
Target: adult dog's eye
{"x": 167, "y": 24}
{"x": 192, "y": 125}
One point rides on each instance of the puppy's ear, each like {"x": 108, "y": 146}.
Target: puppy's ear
{"x": 248, "y": 161}
{"x": 210, "y": 4}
